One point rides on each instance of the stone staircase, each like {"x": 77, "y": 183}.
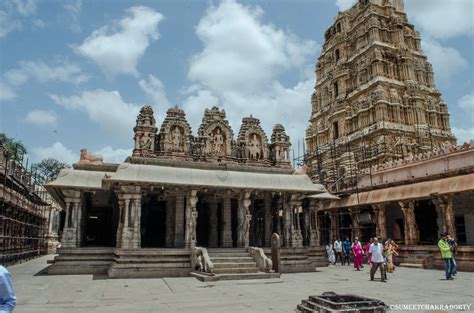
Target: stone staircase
{"x": 233, "y": 264}
{"x": 88, "y": 260}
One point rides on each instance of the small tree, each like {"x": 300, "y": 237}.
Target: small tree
{"x": 48, "y": 169}
{"x": 14, "y": 147}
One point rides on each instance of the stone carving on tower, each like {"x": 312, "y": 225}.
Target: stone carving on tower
{"x": 215, "y": 133}
{"x": 175, "y": 133}
{"x": 145, "y": 131}
{"x": 375, "y": 97}
{"x": 252, "y": 141}
{"x": 280, "y": 146}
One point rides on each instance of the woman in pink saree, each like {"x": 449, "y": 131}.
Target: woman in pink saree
{"x": 358, "y": 254}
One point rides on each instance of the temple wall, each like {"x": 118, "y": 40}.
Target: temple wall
{"x": 463, "y": 206}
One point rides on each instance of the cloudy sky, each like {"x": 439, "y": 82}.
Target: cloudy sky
{"x": 74, "y": 74}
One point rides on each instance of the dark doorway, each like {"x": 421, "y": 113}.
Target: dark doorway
{"x": 461, "y": 229}
{"x": 202, "y": 227}
{"x": 345, "y": 224}
{"x": 426, "y": 225}
{"x": 99, "y": 219}
{"x": 325, "y": 227}
{"x": 257, "y": 225}
{"x": 153, "y": 223}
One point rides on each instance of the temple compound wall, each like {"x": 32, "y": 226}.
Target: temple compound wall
{"x": 178, "y": 193}
{"x": 380, "y": 139}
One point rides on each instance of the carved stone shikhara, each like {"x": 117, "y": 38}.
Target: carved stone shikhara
{"x": 375, "y": 96}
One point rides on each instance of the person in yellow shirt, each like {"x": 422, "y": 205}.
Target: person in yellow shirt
{"x": 447, "y": 255}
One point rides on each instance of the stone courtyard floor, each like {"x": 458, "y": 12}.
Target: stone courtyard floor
{"x": 87, "y": 293}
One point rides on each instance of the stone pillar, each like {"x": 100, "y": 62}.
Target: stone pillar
{"x": 227, "y": 223}
{"x": 191, "y": 220}
{"x": 72, "y": 233}
{"x": 313, "y": 224}
{"x": 446, "y": 204}
{"x": 355, "y": 224}
{"x": 287, "y": 223}
{"x": 409, "y": 222}
{"x": 129, "y": 228}
{"x": 244, "y": 218}
{"x": 179, "y": 220}
{"x": 379, "y": 210}
{"x": 334, "y": 228}
{"x": 268, "y": 220}
{"x": 213, "y": 239}
{"x": 296, "y": 239}
{"x": 170, "y": 220}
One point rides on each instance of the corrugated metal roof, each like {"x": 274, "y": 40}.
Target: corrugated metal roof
{"x": 419, "y": 190}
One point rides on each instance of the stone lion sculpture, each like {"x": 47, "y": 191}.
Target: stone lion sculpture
{"x": 90, "y": 158}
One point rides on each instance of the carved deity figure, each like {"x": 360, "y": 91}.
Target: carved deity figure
{"x": 177, "y": 140}
{"x": 145, "y": 142}
{"x": 218, "y": 142}
{"x": 255, "y": 148}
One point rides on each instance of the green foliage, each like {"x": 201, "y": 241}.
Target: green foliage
{"x": 48, "y": 169}
{"x": 15, "y": 148}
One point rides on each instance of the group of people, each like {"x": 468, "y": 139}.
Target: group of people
{"x": 379, "y": 255}
{"x": 448, "y": 248}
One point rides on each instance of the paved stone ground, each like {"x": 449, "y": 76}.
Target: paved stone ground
{"x": 85, "y": 293}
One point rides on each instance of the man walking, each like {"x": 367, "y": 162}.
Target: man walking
{"x": 338, "y": 250}
{"x": 346, "y": 247}
{"x": 447, "y": 255}
{"x": 376, "y": 251}
{"x": 7, "y": 294}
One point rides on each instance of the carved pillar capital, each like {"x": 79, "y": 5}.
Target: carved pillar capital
{"x": 445, "y": 202}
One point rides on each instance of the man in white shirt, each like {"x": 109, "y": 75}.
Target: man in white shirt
{"x": 376, "y": 250}
{"x": 338, "y": 249}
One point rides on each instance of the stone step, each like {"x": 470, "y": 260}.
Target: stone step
{"x": 240, "y": 276}
{"x": 228, "y": 254}
{"x": 227, "y": 250}
{"x": 411, "y": 265}
{"x": 231, "y": 259}
{"x": 233, "y": 265}
{"x": 235, "y": 270}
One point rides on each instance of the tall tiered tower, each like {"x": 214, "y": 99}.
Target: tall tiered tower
{"x": 375, "y": 99}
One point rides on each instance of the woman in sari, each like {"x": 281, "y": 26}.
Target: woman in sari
{"x": 369, "y": 255}
{"x": 330, "y": 252}
{"x": 358, "y": 254}
{"x": 390, "y": 250}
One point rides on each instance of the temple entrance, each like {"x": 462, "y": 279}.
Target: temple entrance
{"x": 324, "y": 227}
{"x": 202, "y": 227}
{"x": 100, "y": 219}
{"x": 257, "y": 224}
{"x": 153, "y": 223}
{"x": 345, "y": 224}
{"x": 426, "y": 225}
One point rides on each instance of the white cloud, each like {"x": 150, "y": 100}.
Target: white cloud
{"x": 106, "y": 108}
{"x": 467, "y": 104}
{"x": 6, "y": 93}
{"x": 42, "y": 118}
{"x": 73, "y": 9}
{"x": 8, "y": 24}
{"x": 447, "y": 62}
{"x": 442, "y": 18}
{"x": 117, "y": 49}
{"x": 25, "y": 7}
{"x": 155, "y": 89}
{"x": 345, "y": 4}
{"x": 240, "y": 52}
{"x": 61, "y": 71}
{"x": 241, "y": 72}
{"x": 114, "y": 155}
{"x": 38, "y": 24}
{"x": 463, "y": 134}
{"x": 57, "y": 151}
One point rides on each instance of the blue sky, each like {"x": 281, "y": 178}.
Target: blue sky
{"x": 75, "y": 73}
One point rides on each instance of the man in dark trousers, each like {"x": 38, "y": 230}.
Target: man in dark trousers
{"x": 376, "y": 250}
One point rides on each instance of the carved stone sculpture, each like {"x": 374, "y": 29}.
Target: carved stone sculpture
{"x": 87, "y": 158}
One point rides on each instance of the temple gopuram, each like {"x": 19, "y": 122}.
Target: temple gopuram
{"x": 206, "y": 204}
{"x": 380, "y": 139}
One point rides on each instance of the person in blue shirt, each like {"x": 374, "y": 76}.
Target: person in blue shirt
{"x": 7, "y": 294}
{"x": 346, "y": 250}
